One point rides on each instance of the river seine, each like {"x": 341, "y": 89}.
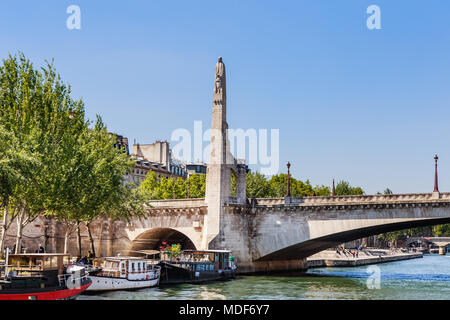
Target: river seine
{"x": 425, "y": 279}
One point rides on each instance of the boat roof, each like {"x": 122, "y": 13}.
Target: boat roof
{"x": 121, "y": 258}
{"x": 34, "y": 255}
{"x": 147, "y": 252}
{"x": 207, "y": 251}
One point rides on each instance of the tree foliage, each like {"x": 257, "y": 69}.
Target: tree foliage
{"x": 343, "y": 188}
{"x": 258, "y": 186}
{"x": 53, "y": 162}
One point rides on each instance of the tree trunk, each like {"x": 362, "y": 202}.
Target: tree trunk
{"x": 19, "y": 231}
{"x": 66, "y": 240}
{"x": 364, "y": 242}
{"x": 4, "y": 227}
{"x": 101, "y": 238}
{"x": 109, "y": 240}
{"x": 79, "y": 240}
{"x": 91, "y": 239}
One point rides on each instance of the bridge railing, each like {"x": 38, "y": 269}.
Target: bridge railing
{"x": 375, "y": 198}
{"x": 360, "y": 199}
{"x": 174, "y": 203}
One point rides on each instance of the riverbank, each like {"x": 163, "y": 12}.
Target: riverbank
{"x": 330, "y": 258}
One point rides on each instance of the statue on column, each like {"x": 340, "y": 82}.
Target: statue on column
{"x": 220, "y": 77}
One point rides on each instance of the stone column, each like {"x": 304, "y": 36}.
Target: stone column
{"x": 241, "y": 184}
{"x": 218, "y": 180}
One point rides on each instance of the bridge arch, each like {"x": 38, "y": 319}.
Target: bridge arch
{"x": 309, "y": 247}
{"x": 152, "y": 239}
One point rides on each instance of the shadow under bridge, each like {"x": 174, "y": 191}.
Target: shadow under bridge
{"x": 152, "y": 239}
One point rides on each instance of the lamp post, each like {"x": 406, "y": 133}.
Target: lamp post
{"x": 288, "y": 187}
{"x": 436, "y": 187}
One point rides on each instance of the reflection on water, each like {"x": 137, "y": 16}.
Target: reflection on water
{"x": 427, "y": 278}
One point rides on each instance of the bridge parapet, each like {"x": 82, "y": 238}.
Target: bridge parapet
{"x": 185, "y": 207}
{"x": 270, "y": 201}
{"x": 178, "y": 203}
{"x": 409, "y": 197}
{"x": 362, "y": 200}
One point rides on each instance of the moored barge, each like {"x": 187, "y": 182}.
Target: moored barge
{"x": 40, "y": 276}
{"x": 195, "y": 266}
{"x": 123, "y": 273}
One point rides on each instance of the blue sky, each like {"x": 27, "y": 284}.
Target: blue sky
{"x": 367, "y": 106}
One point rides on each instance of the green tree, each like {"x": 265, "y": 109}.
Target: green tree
{"x": 152, "y": 189}
{"x": 322, "y": 191}
{"x": 76, "y": 174}
{"x": 149, "y": 188}
{"x": 35, "y": 108}
{"x": 94, "y": 183}
{"x": 441, "y": 230}
{"x": 343, "y": 188}
{"x": 257, "y": 185}
{"x": 197, "y": 186}
{"x": 278, "y": 185}
{"x": 15, "y": 167}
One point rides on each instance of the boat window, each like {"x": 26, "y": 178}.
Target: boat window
{"x": 201, "y": 267}
{"x": 132, "y": 265}
{"x": 139, "y": 265}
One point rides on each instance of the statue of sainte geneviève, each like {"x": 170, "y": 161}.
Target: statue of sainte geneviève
{"x": 220, "y": 77}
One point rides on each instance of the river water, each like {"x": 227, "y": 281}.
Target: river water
{"x": 425, "y": 279}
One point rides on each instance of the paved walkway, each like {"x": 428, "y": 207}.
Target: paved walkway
{"x": 345, "y": 258}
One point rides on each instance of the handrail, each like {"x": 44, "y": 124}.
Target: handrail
{"x": 62, "y": 278}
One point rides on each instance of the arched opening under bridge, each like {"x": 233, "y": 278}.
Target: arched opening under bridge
{"x": 307, "y": 248}
{"x": 152, "y": 239}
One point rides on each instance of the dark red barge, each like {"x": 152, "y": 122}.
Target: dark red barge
{"x": 41, "y": 277}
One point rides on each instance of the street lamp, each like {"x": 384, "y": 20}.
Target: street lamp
{"x": 288, "y": 187}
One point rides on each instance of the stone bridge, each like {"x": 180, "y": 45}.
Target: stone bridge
{"x": 278, "y": 234}
{"x": 269, "y": 234}
{"x": 441, "y": 242}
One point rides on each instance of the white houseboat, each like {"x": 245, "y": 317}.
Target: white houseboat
{"x": 124, "y": 273}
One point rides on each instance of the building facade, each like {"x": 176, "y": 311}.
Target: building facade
{"x": 160, "y": 153}
{"x": 195, "y": 169}
{"x": 156, "y": 157}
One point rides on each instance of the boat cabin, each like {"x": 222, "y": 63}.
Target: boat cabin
{"x": 131, "y": 268}
{"x": 202, "y": 260}
{"x": 28, "y": 263}
{"x": 35, "y": 269}
{"x": 193, "y": 266}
